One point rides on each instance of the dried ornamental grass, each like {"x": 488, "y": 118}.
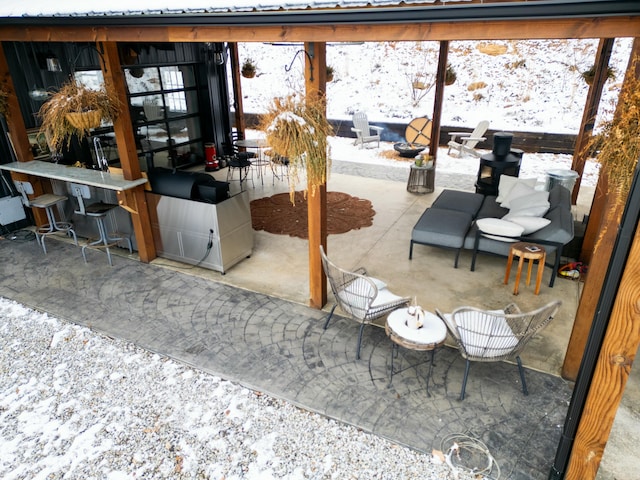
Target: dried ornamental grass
{"x": 74, "y": 98}
{"x": 492, "y": 49}
{"x": 618, "y": 144}
{"x": 476, "y": 86}
{"x": 297, "y": 128}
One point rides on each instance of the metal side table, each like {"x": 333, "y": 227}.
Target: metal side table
{"x": 427, "y": 338}
{"x": 421, "y": 179}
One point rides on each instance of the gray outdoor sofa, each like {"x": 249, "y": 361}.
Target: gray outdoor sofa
{"x": 452, "y": 222}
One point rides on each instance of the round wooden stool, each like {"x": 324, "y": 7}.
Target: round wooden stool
{"x": 526, "y": 251}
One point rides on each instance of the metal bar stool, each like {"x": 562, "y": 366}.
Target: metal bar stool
{"x": 99, "y": 211}
{"x": 46, "y": 201}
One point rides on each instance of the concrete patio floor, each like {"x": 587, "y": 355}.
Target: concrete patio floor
{"x": 279, "y": 264}
{"x": 252, "y": 326}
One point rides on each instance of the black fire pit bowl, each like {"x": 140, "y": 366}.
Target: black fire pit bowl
{"x": 409, "y": 150}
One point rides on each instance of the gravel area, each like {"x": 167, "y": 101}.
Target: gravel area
{"x": 78, "y": 405}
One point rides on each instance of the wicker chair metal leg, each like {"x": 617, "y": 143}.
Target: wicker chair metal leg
{"x": 326, "y": 324}
{"x": 359, "y": 341}
{"x": 464, "y": 380}
{"x": 524, "y": 382}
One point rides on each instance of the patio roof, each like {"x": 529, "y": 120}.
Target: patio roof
{"x": 301, "y": 12}
{"x": 41, "y": 8}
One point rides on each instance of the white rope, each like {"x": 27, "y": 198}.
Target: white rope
{"x": 455, "y": 446}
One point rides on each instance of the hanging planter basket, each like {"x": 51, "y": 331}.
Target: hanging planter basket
{"x": 84, "y": 120}
{"x": 74, "y": 110}
{"x": 248, "y": 69}
{"x": 330, "y": 72}
{"x": 450, "y": 76}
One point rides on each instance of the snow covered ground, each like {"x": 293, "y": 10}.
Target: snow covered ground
{"x": 528, "y": 86}
{"x": 78, "y": 405}
{"x": 518, "y": 85}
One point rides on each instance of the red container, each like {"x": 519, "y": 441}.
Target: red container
{"x": 210, "y": 157}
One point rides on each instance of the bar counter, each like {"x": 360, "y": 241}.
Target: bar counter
{"x": 66, "y": 173}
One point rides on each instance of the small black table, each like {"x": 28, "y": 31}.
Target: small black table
{"x": 421, "y": 179}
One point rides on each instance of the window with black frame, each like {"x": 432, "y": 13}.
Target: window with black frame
{"x": 165, "y": 114}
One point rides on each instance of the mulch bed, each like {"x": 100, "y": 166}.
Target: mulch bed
{"x": 276, "y": 214}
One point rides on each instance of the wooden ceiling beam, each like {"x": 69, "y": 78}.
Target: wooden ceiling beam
{"x": 613, "y": 27}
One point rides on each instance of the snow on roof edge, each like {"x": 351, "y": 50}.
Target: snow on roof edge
{"x": 81, "y": 8}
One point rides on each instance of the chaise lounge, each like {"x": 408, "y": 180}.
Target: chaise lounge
{"x": 460, "y": 220}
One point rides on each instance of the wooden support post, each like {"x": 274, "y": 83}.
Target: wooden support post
{"x": 18, "y": 134}
{"x": 237, "y": 88}
{"x": 135, "y": 201}
{"x": 601, "y": 233}
{"x": 590, "y": 111}
{"x": 591, "y": 291}
{"x": 315, "y": 83}
{"x": 15, "y": 122}
{"x": 439, "y": 95}
{"x": 618, "y": 350}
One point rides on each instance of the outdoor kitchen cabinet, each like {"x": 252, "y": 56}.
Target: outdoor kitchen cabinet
{"x": 183, "y": 230}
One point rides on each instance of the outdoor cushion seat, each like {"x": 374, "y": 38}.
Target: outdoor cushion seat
{"x": 467, "y": 202}
{"x": 491, "y": 209}
{"x": 442, "y": 228}
{"x": 495, "y": 335}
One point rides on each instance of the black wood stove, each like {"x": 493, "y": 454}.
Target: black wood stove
{"x": 503, "y": 160}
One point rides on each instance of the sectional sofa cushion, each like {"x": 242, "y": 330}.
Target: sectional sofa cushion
{"x": 491, "y": 209}
{"x": 467, "y": 202}
{"x": 442, "y": 227}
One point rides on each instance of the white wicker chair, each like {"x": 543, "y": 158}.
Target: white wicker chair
{"x": 493, "y": 336}
{"x": 364, "y": 298}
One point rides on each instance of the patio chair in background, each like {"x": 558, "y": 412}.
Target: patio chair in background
{"x": 495, "y": 335}
{"x": 365, "y": 133}
{"x": 468, "y": 141}
{"x": 364, "y": 298}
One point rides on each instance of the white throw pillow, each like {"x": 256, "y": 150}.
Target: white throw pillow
{"x": 530, "y": 224}
{"x": 534, "y": 199}
{"x": 507, "y": 182}
{"x": 498, "y": 229}
{"x": 519, "y": 190}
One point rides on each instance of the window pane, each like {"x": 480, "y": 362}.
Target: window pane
{"x": 176, "y": 77}
{"x": 140, "y": 80}
{"x": 90, "y": 78}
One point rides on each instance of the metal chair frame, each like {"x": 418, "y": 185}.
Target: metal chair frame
{"x": 355, "y": 293}
{"x": 46, "y": 201}
{"x": 494, "y": 336}
{"x": 99, "y": 211}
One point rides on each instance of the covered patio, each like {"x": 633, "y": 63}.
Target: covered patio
{"x": 381, "y": 251}
{"x": 256, "y": 329}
